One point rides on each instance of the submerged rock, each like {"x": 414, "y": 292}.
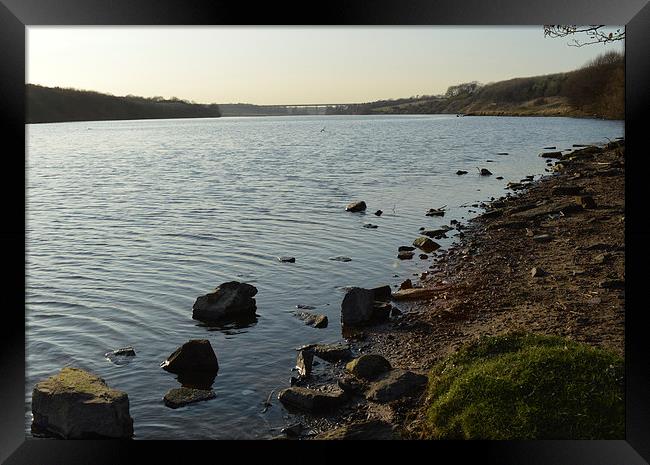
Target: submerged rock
{"x": 194, "y": 357}
{"x": 485, "y": 172}
{"x": 287, "y": 259}
{"x": 368, "y": 366}
{"x": 378, "y": 213}
{"x": 461, "y": 172}
{"x": 356, "y": 206}
{"x": 313, "y": 319}
{"x": 230, "y": 300}
{"x": 557, "y": 155}
{"x": 341, "y": 259}
{"x": 311, "y": 400}
{"x": 370, "y": 226}
{"x": 394, "y": 385}
{"x": 435, "y": 212}
{"x": 405, "y": 248}
{"x": 76, "y": 404}
{"x": 178, "y": 397}
{"x": 125, "y": 352}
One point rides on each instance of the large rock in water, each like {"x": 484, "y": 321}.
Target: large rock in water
{"x": 194, "y": 357}
{"x": 76, "y": 404}
{"x": 363, "y": 306}
{"x": 426, "y": 244}
{"x": 230, "y": 300}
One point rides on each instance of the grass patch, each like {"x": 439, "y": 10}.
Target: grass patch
{"x": 524, "y": 386}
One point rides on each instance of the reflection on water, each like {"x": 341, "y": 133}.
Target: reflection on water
{"x": 129, "y": 223}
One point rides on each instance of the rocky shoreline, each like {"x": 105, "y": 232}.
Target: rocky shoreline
{"x": 546, "y": 259}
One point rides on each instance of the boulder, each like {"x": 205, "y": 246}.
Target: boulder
{"x": 194, "y": 357}
{"x": 76, "y": 404}
{"x": 407, "y": 284}
{"x": 368, "y": 366}
{"x": 311, "y": 400}
{"x": 461, "y": 172}
{"x": 178, "y": 397}
{"x": 485, "y": 172}
{"x": 394, "y": 385}
{"x": 230, "y": 300}
{"x": 366, "y": 430}
{"x": 356, "y": 206}
{"x": 360, "y": 307}
{"x": 378, "y": 213}
{"x": 426, "y": 244}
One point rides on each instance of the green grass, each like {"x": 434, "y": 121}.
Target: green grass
{"x": 523, "y": 386}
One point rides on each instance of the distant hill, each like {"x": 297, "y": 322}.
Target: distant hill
{"x": 55, "y": 104}
{"x": 595, "y": 90}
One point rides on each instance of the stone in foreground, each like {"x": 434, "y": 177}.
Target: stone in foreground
{"x": 194, "y": 357}
{"x": 361, "y": 431}
{"x": 76, "y": 404}
{"x": 368, "y": 366}
{"x": 356, "y": 206}
{"x": 311, "y": 400}
{"x": 230, "y": 300}
{"x": 179, "y": 397}
{"x": 394, "y": 385}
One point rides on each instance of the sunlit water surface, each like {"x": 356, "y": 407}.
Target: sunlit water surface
{"x": 128, "y": 222}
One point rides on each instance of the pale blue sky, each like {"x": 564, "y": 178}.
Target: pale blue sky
{"x": 292, "y": 65}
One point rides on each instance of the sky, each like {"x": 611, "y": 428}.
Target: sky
{"x": 292, "y": 65}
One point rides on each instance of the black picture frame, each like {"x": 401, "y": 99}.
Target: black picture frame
{"x": 15, "y": 15}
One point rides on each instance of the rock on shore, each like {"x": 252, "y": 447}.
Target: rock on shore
{"x": 363, "y": 306}
{"x": 368, "y": 366}
{"x": 76, "y": 404}
{"x": 230, "y": 300}
{"x": 311, "y": 400}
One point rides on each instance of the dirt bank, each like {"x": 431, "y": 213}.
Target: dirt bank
{"x": 569, "y": 226}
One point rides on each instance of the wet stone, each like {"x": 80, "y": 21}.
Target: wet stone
{"x": 179, "y": 397}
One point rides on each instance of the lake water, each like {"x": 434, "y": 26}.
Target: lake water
{"x": 128, "y": 222}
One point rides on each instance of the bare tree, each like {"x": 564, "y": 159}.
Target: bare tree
{"x": 594, "y": 34}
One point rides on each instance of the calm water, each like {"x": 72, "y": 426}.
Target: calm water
{"x": 128, "y": 222}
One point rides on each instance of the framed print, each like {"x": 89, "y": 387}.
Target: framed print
{"x": 412, "y": 223}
